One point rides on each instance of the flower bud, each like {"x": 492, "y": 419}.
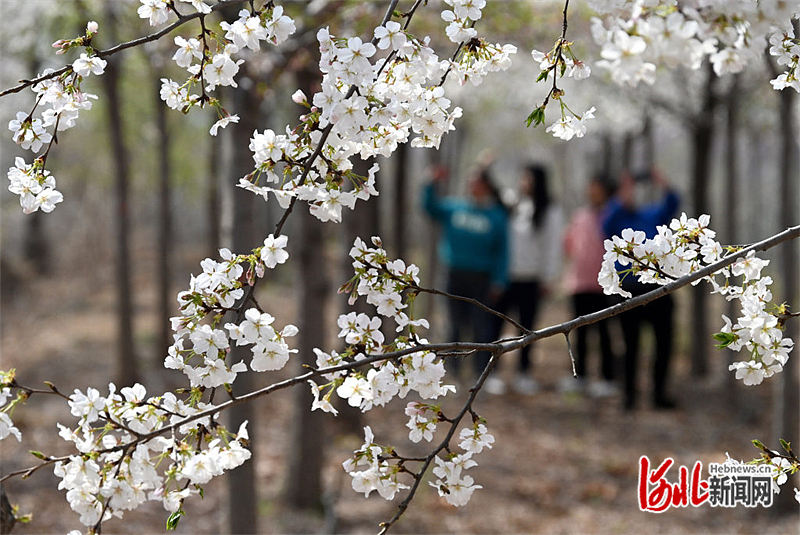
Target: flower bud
{"x": 299, "y": 97}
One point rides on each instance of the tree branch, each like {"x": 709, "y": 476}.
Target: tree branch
{"x": 497, "y": 348}
{"x": 183, "y": 19}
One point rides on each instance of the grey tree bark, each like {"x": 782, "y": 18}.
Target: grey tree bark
{"x": 165, "y": 245}
{"x": 127, "y": 371}
{"x": 730, "y": 234}
{"x": 242, "y": 489}
{"x": 702, "y": 139}
{"x": 786, "y": 403}
{"x": 303, "y": 487}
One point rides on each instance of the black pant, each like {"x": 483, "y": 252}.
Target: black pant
{"x": 586, "y": 303}
{"x": 658, "y": 313}
{"x": 524, "y": 297}
{"x": 469, "y": 322}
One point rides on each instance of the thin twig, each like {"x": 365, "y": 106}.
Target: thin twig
{"x": 122, "y": 46}
{"x": 444, "y": 444}
{"x": 571, "y": 356}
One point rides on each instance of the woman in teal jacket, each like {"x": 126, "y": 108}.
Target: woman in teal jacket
{"x": 474, "y": 248}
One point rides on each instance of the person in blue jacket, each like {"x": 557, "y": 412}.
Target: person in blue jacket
{"x": 474, "y": 249}
{"x": 623, "y": 213}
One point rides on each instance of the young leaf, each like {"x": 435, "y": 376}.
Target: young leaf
{"x": 536, "y": 117}
{"x": 724, "y": 339}
{"x": 174, "y": 518}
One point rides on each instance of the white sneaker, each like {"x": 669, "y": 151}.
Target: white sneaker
{"x": 570, "y": 384}
{"x": 495, "y": 386}
{"x": 525, "y": 385}
{"x": 602, "y": 389}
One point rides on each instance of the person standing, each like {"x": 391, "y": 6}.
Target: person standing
{"x": 624, "y": 213}
{"x": 535, "y": 228}
{"x": 474, "y": 249}
{"x": 583, "y": 248}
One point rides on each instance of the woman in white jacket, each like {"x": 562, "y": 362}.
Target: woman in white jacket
{"x": 535, "y": 227}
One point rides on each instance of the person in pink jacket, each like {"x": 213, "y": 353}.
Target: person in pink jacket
{"x": 583, "y": 249}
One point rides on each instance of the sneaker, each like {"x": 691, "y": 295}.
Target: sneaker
{"x": 602, "y": 389}
{"x": 570, "y": 384}
{"x": 525, "y": 385}
{"x": 495, "y": 386}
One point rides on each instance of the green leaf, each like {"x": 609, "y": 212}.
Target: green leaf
{"x": 543, "y": 75}
{"x": 724, "y": 339}
{"x": 38, "y": 455}
{"x": 174, "y": 518}
{"x": 536, "y": 117}
{"x": 758, "y": 444}
{"x": 786, "y": 446}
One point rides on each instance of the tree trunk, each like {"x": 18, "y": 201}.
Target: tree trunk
{"x": 400, "y": 201}
{"x": 304, "y": 483}
{"x": 702, "y": 136}
{"x": 607, "y": 156}
{"x": 127, "y": 369}
{"x": 243, "y": 496}
{"x": 36, "y": 247}
{"x": 785, "y": 393}
{"x": 648, "y": 143}
{"x": 164, "y": 225}
{"x": 627, "y": 152}
{"x": 730, "y": 234}
{"x": 212, "y": 198}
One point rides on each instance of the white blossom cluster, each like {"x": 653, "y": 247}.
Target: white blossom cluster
{"x": 369, "y": 102}
{"x": 462, "y": 19}
{"x": 117, "y": 469}
{"x": 785, "y": 47}
{"x": 210, "y": 294}
{"x": 122, "y": 461}
{"x": 371, "y": 470}
{"x": 452, "y": 484}
{"x": 59, "y": 101}
{"x": 382, "y": 282}
{"x": 388, "y": 285}
{"x": 378, "y": 468}
{"x": 215, "y": 69}
{"x": 685, "y": 246}
{"x": 637, "y": 36}
{"x": 7, "y": 426}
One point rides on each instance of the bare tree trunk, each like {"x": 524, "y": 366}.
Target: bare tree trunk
{"x": 627, "y": 151}
{"x": 731, "y": 207}
{"x": 212, "y": 198}
{"x": 304, "y": 483}
{"x": 7, "y": 519}
{"x": 164, "y": 225}
{"x": 400, "y": 201}
{"x": 127, "y": 369}
{"x": 702, "y": 136}
{"x": 648, "y": 143}
{"x": 242, "y": 489}
{"x": 785, "y": 393}
{"x": 607, "y": 155}
{"x": 36, "y": 247}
